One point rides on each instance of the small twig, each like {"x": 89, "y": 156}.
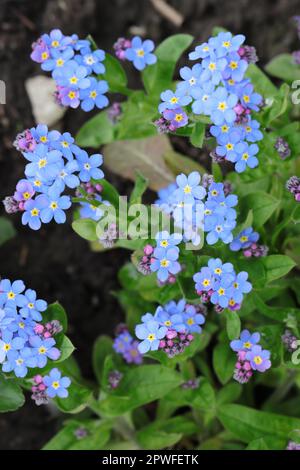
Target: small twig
{"x": 168, "y": 12}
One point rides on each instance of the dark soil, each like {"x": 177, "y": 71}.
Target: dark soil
{"x": 56, "y": 262}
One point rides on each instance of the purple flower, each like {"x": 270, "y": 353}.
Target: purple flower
{"x": 244, "y": 239}
{"x": 259, "y": 358}
{"x": 24, "y": 191}
{"x": 176, "y": 117}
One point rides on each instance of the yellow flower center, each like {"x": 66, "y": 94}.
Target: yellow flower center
{"x": 224, "y": 128}
{"x": 164, "y": 243}
{"x": 221, "y": 291}
{"x": 53, "y": 205}
{"x": 190, "y": 321}
{"x": 30, "y": 305}
{"x": 218, "y": 271}
{"x": 168, "y": 323}
{"x": 93, "y": 94}
{"x": 43, "y": 138}
{"x": 60, "y": 62}
{"x": 247, "y": 345}
{"x": 222, "y": 106}
{"x": 55, "y": 43}
{"x": 245, "y": 156}
{"x": 6, "y": 347}
{"x": 164, "y": 263}
{"x": 226, "y": 44}
{"x": 231, "y": 81}
{"x": 231, "y": 302}
{"x": 42, "y": 350}
{"x": 55, "y": 385}
{"x": 206, "y": 282}
{"x": 187, "y": 189}
{"x": 42, "y": 162}
{"x": 72, "y": 95}
{"x": 174, "y": 100}
{"x": 65, "y": 144}
{"x": 73, "y": 80}
{"x": 19, "y": 362}
{"x": 248, "y": 129}
{"x": 140, "y": 53}
{"x": 233, "y": 65}
{"x": 258, "y": 360}
{"x": 229, "y": 146}
{"x": 45, "y": 55}
{"x": 212, "y": 66}
{"x": 26, "y": 195}
{"x": 246, "y": 98}
{"x": 178, "y": 117}
{"x": 35, "y": 212}
{"x": 151, "y": 337}
{"x": 37, "y": 183}
{"x": 21, "y": 324}
{"x": 11, "y": 295}
{"x": 243, "y": 238}
{"x": 235, "y": 285}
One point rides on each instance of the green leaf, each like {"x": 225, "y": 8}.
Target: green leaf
{"x": 114, "y": 74}
{"x": 231, "y": 392}
{"x": 102, "y": 348}
{"x": 198, "y": 134}
{"x": 98, "y": 434}
{"x": 267, "y": 443}
{"x": 223, "y": 362}
{"x": 11, "y": 395}
{"x": 7, "y": 230}
{"x": 56, "y": 312}
{"x": 140, "y": 385}
{"x": 154, "y": 439}
{"x": 277, "y": 106}
{"x": 158, "y": 77}
{"x": 86, "y": 228}
{"x": 144, "y": 155}
{"x": 140, "y": 187}
{"x": 233, "y": 324}
{"x": 275, "y": 313}
{"x": 180, "y": 164}
{"x": 284, "y": 67}
{"x": 262, "y": 84}
{"x": 96, "y": 131}
{"x": 77, "y": 400}
{"x": 248, "y": 424}
{"x": 66, "y": 348}
{"x": 277, "y": 266}
{"x": 262, "y": 204}
{"x": 205, "y": 398}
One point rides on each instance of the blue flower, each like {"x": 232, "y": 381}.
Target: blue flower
{"x": 191, "y": 79}
{"x": 222, "y": 291}
{"x": 151, "y": 334}
{"x": 245, "y": 156}
{"x": 43, "y": 349}
{"x": 173, "y": 100}
{"x": 11, "y": 293}
{"x": 56, "y": 205}
{"x": 225, "y": 42}
{"x": 140, "y": 53}
{"x": 172, "y": 322}
{"x": 165, "y": 240}
{"x": 216, "y": 192}
{"x": 252, "y": 132}
{"x": 165, "y": 263}
{"x": 122, "y": 342}
{"x": 65, "y": 144}
{"x": 56, "y": 384}
{"x": 213, "y": 68}
{"x": 58, "y": 59}
{"x": 202, "y": 51}
{"x": 22, "y": 327}
{"x": 44, "y": 163}
{"x": 221, "y": 230}
{"x": 259, "y": 358}
{"x": 7, "y": 316}
{"x": 66, "y": 177}
{"x": 227, "y": 144}
{"x": 9, "y": 343}
{"x": 202, "y": 96}
{"x": 193, "y": 320}
{"x": 94, "y": 95}
{"x": 244, "y": 239}
{"x": 72, "y": 76}
{"x": 219, "y": 269}
{"x": 91, "y": 60}
{"x": 189, "y": 188}
{"x": 204, "y": 280}
{"x": 249, "y": 98}
{"x": 56, "y": 40}
{"x": 222, "y": 105}
{"x": 88, "y": 166}
{"x": 245, "y": 342}
{"x": 91, "y": 211}
{"x": 236, "y": 67}
{"x": 31, "y": 306}
{"x": 19, "y": 361}
{"x": 42, "y": 135}
{"x": 164, "y": 195}
{"x": 218, "y": 131}
{"x": 32, "y": 214}
{"x": 240, "y": 286}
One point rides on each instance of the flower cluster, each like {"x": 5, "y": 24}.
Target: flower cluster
{"x": 293, "y": 186}
{"x": 125, "y": 345}
{"x": 49, "y": 386}
{"x": 216, "y": 87}
{"x": 283, "y": 148}
{"x": 246, "y": 241}
{"x": 24, "y": 342}
{"x": 55, "y": 163}
{"x": 171, "y": 328}
{"x": 72, "y": 63}
{"x": 165, "y": 255}
{"x": 137, "y": 51}
{"x": 197, "y": 208}
{"x": 219, "y": 284}
{"x": 92, "y": 192}
{"x": 250, "y": 356}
